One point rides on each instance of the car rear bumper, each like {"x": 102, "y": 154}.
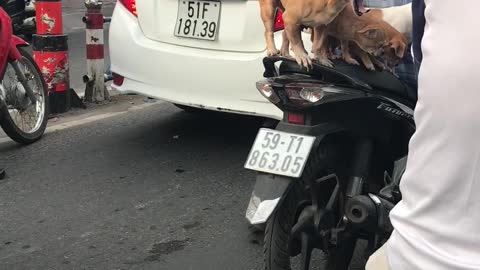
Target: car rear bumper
{"x": 202, "y": 78}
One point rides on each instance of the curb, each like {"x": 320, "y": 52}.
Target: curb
{"x": 83, "y": 119}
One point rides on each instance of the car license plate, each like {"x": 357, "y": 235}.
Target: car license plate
{"x": 279, "y": 152}
{"x": 197, "y": 19}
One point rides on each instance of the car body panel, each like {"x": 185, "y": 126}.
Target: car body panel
{"x": 205, "y": 78}
{"x": 237, "y": 31}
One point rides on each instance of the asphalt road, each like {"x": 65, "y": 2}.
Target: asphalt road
{"x": 133, "y": 186}
{"x": 154, "y": 188}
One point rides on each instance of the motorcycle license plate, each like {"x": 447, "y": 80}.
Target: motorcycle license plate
{"x": 279, "y": 152}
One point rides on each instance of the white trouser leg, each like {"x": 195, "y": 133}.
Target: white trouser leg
{"x": 378, "y": 260}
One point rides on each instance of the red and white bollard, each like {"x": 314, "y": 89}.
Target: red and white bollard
{"x": 95, "y": 90}
{"x": 50, "y": 50}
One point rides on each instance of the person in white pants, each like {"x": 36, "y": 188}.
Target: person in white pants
{"x": 437, "y": 224}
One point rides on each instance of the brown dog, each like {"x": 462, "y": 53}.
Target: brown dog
{"x": 298, "y": 13}
{"x": 368, "y": 60}
{"x": 395, "y": 51}
{"x": 370, "y": 34}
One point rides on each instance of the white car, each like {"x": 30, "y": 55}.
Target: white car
{"x": 198, "y": 53}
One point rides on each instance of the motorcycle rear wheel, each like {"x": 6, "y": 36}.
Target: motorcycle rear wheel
{"x": 28, "y": 125}
{"x": 278, "y": 227}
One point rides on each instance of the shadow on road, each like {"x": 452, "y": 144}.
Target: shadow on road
{"x": 156, "y": 188}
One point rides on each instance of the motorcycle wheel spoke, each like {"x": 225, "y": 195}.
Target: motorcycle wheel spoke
{"x": 26, "y": 116}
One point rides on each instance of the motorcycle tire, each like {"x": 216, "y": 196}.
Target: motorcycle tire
{"x": 7, "y": 123}
{"x": 278, "y": 227}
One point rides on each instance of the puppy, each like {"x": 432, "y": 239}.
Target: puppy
{"x": 369, "y": 32}
{"x": 399, "y": 17}
{"x": 391, "y": 54}
{"x": 367, "y": 60}
{"x": 298, "y": 13}
{"x": 348, "y": 27}
{"x": 394, "y": 51}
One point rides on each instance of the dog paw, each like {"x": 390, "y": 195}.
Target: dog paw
{"x": 335, "y": 56}
{"x": 388, "y": 68}
{"x": 380, "y": 66}
{"x": 325, "y": 62}
{"x": 323, "y": 59}
{"x": 273, "y": 52}
{"x": 285, "y": 52}
{"x": 304, "y": 60}
{"x": 351, "y": 61}
{"x": 370, "y": 67}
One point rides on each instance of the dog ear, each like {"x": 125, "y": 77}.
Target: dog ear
{"x": 399, "y": 48}
{"x": 371, "y": 32}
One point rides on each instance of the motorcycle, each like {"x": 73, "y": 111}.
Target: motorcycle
{"x": 329, "y": 173}
{"x": 23, "y": 92}
{"x": 22, "y": 13}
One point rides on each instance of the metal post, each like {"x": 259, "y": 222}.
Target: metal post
{"x": 95, "y": 90}
{"x": 50, "y": 50}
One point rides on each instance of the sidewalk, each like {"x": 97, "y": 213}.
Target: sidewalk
{"x": 79, "y": 5}
{"x": 74, "y": 10}
{"x": 119, "y": 105}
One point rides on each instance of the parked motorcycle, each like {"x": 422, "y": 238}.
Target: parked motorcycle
{"x": 22, "y": 13}
{"x": 329, "y": 173}
{"x": 23, "y": 93}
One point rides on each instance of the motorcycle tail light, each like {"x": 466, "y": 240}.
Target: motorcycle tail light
{"x": 131, "y": 6}
{"x": 304, "y": 94}
{"x": 296, "y": 118}
{"x": 266, "y": 89}
{"x": 312, "y": 94}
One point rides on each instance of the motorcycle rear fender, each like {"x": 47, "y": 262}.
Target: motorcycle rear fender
{"x": 15, "y": 43}
{"x": 18, "y": 42}
{"x": 268, "y": 192}
{"x": 270, "y": 189}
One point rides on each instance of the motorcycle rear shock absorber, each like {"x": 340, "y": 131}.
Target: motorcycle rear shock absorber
{"x": 362, "y": 157}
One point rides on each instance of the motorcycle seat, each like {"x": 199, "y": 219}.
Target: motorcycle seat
{"x": 344, "y": 73}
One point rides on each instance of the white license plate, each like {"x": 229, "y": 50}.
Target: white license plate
{"x": 279, "y": 152}
{"x": 198, "y": 19}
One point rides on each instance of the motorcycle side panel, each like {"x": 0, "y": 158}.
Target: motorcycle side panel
{"x": 268, "y": 192}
